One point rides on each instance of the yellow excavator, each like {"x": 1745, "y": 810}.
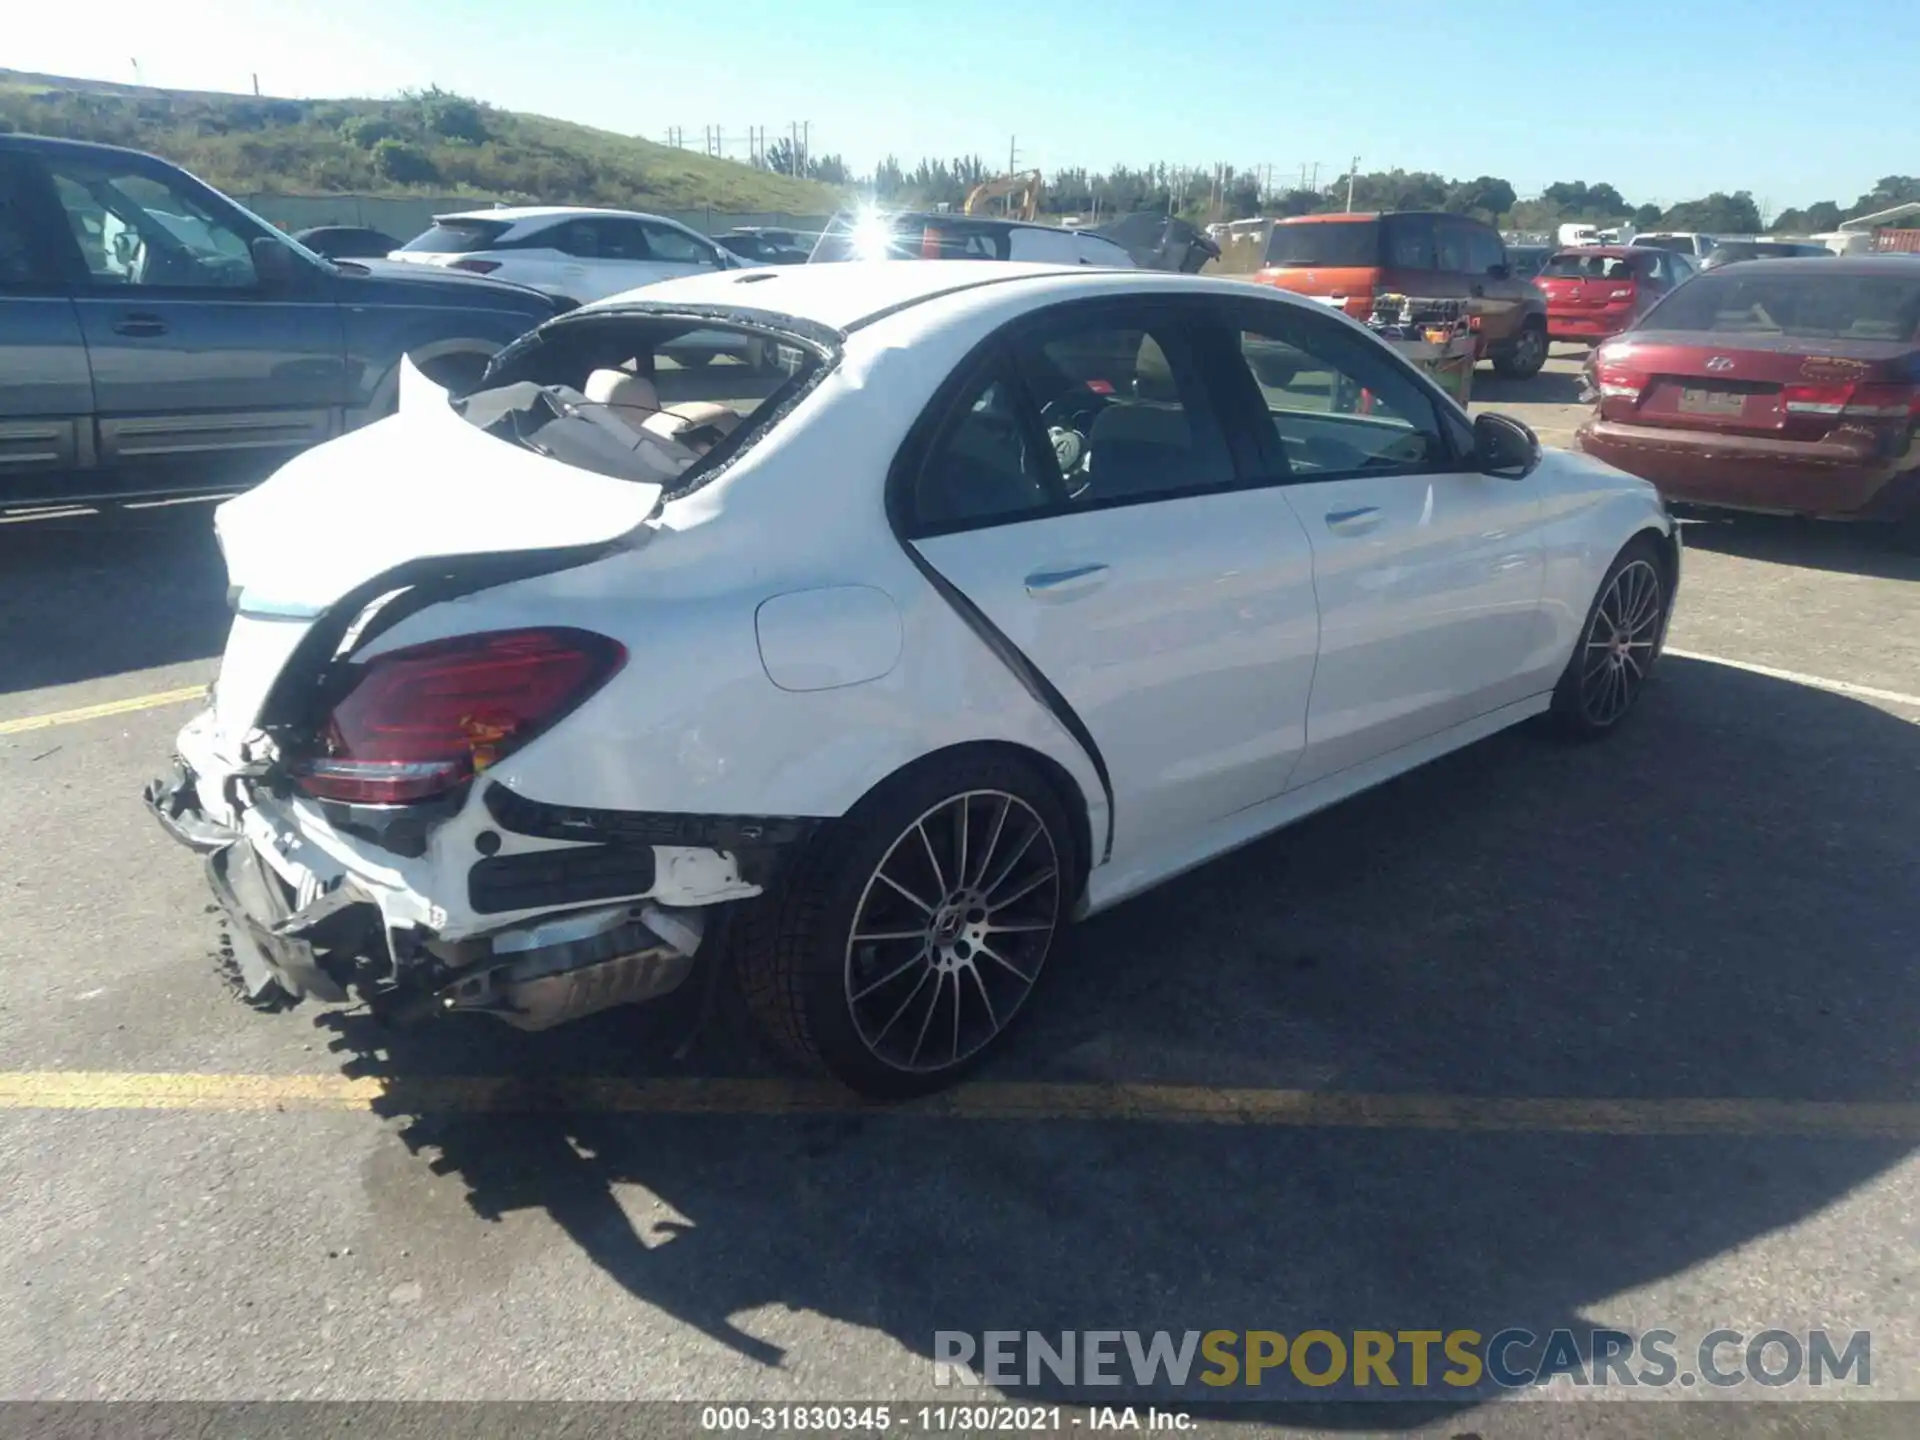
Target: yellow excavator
{"x": 1023, "y": 192}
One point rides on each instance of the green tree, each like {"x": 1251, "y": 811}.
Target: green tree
{"x": 450, "y": 116}
{"x": 1888, "y": 191}
{"x": 404, "y": 164}
{"x": 1488, "y": 196}
{"x": 1646, "y": 217}
{"x": 1719, "y": 213}
{"x": 367, "y": 131}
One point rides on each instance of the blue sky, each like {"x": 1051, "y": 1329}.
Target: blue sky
{"x": 1794, "y": 101}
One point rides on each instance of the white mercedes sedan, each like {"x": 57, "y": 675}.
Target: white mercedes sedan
{"x": 1010, "y": 592}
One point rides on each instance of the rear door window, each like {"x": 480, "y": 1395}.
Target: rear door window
{"x": 1485, "y": 253}
{"x": 27, "y": 250}
{"x": 675, "y": 247}
{"x": 1453, "y": 240}
{"x": 1411, "y": 242}
{"x": 1326, "y": 244}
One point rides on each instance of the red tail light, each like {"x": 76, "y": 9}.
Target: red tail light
{"x": 423, "y": 720}
{"x": 1848, "y": 400}
{"x": 1616, "y": 378}
{"x": 475, "y": 267}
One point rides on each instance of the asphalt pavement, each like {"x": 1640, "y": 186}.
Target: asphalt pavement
{"x": 1615, "y": 1037}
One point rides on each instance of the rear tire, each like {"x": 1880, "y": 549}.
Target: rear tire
{"x": 1612, "y": 660}
{"x": 1528, "y": 353}
{"x": 908, "y": 936}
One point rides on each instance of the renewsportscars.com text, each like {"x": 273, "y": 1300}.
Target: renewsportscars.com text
{"x": 1383, "y": 1362}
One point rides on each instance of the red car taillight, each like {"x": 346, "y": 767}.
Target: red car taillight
{"x": 1616, "y": 379}
{"x": 425, "y": 719}
{"x": 476, "y": 267}
{"x": 1848, "y": 400}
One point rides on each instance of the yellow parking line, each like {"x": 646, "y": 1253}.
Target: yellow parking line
{"x": 105, "y": 708}
{"x": 1190, "y": 1104}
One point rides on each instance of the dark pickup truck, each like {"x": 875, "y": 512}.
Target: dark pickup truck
{"x": 157, "y": 338}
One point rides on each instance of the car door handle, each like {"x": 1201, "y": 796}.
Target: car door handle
{"x": 138, "y": 324}
{"x": 1356, "y": 521}
{"x": 1068, "y": 581}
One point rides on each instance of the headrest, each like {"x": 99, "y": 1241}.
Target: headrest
{"x": 622, "y": 391}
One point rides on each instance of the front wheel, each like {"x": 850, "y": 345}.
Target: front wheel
{"x": 912, "y": 932}
{"x": 1528, "y": 354}
{"x": 1617, "y": 646}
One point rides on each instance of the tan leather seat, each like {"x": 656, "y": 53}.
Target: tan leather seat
{"x": 632, "y": 397}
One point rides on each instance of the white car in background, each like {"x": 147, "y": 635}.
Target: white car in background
{"x": 579, "y": 256}
{"x": 1020, "y": 594}
{"x": 570, "y": 253}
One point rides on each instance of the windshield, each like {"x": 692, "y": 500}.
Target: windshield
{"x": 458, "y": 237}
{"x": 1815, "y": 306}
{"x": 1329, "y": 243}
{"x": 910, "y": 237}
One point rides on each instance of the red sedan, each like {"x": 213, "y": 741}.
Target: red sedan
{"x": 1596, "y": 291}
{"x": 1782, "y": 385}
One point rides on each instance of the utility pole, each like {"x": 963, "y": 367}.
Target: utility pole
{"x": 1315, "y": 187}
{"x": 1352, "y": 171}
{"x": 806, "y": 145}
{"x": 256, "y": 84}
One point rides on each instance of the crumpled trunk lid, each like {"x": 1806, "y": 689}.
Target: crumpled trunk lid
{"x": 421, "y": 494}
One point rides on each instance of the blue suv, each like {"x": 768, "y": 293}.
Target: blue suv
{"x": 157, "y": 338}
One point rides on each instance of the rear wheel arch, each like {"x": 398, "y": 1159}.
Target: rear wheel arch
{"x": 1054, "y": 775}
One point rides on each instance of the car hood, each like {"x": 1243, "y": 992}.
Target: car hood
{"x": 396, "y": 282}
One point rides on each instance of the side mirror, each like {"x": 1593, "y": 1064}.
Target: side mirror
{"x": 275, "y": 266}
{"x": 1504, "y": 447}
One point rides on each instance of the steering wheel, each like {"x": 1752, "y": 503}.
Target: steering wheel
{"x": 1069, "y": 420}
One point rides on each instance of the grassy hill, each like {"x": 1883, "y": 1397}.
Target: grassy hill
{"x": 427, "y": 142}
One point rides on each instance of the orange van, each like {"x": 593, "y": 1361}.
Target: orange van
{"x": 1346, "y": 260}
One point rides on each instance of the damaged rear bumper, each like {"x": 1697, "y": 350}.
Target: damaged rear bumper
{"x": 534, "y": 914}
{"x": 270, "y": 940}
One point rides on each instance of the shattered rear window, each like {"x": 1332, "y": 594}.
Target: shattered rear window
{"x": 650, "y": 398}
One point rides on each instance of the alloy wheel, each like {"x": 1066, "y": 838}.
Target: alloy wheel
{"x": 951, "y": 931}
{"x": 1620, "y": 643}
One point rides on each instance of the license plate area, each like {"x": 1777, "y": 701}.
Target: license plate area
{"x": 1701, "y": 401}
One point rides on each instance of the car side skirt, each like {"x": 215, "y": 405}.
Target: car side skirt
{"x": 1109, "y": 884}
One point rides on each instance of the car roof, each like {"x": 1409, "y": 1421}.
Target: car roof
{"x": 1611, "y": 252}
{"x": 984, "y": 222}
{"x": 516, "y": 213}
{"x": 847, "y": 294}
{"x": 1872, "y": 264}
{"x": 1341, "y": 215}
{"x": 49, "y": 145}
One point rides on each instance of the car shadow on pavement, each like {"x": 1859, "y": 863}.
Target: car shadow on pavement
{"x": 1875, "y": 551}
{"x": 99, "y": 595}
{"x": 1549, "y": 387}
{"x": 1716, "y": 903}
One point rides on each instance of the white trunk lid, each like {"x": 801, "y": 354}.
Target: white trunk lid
{"x": 422, "y": 483}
